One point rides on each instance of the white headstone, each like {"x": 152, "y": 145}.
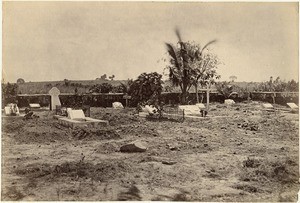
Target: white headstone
{"x": 151, "y": 109}
{"x": 69, "y": 110}
{"x": 117, "y": 105}
{"x": 144, "y": 109}
{"x": 267, "y": 106}
{"x": 229, "y": 101}
{"x": 292, "y": 105}
{"x": 54, "y": 92}
{"x": 200, "y": 106}
{"x": 10, "y": 109}
{"x": 7, "y": 110}
{"x": 190, "y": 109}
{"x": 34, "y": 105}
{"x": 76, "y": 114}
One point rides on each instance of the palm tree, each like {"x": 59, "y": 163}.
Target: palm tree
{"x": 187, "y": 65}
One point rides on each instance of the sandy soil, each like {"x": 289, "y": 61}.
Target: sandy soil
{"x": 249, "y": 155}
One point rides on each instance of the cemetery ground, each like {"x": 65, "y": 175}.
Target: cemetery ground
{"x": 247, "y": 155}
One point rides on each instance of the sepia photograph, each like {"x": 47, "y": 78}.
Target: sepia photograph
{"x": 150, "y": 101}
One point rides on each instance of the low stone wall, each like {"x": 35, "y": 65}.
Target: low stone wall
{"x": 106, "y": 100}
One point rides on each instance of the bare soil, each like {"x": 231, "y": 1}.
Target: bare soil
{"x": 246, "y": 155}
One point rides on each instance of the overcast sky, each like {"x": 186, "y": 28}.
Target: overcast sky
{"x": 44, "y": 41}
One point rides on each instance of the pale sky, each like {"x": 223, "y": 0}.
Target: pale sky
{"x": 46, "y": 41}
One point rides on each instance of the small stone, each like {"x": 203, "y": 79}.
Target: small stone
{"x": 169, "y": 162}
{"x": 133, "y": 147}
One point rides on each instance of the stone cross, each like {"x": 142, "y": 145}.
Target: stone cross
{"x": 54, "y": 92}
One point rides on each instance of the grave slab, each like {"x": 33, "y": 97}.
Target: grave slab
{"x": 229, "y": 101}
{"x": 267, "y": 106}
{"x": 200, "y": 106}
{"x": 190, "y": 109}
{"x": 89, "y": 122}
{"x": 35, "y": 105}
{"x": 292, "y": 105}
{"x": 76, "y": 118}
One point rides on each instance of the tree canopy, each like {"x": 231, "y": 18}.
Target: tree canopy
{"x": 190, "y": 65}
{"x": 148, "y": 86}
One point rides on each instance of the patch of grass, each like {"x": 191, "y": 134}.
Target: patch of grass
{"x": 133, "y": 194}
{"x": 247, "y": 188}
{"x": 13, "y": 194}
{"x": 251, "y": 163}
{"x": 282, "y": 171}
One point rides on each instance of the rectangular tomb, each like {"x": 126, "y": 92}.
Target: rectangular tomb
{"x": 190, "y": 109}
{"x": 82, "y": 122}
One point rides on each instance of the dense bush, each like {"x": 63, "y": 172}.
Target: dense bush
{"x": 101, "y": 88}
{"x": 147, "y": 86}
{"x": 9, "y": 93}
{"x": 277, "y": 85}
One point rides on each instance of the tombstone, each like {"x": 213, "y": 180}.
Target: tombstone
{"x": 151, "y": 109}
{"x": 34, "y": 106}
{"x": 54, "y": 92}
{"x": 76, "y": 114}
{"x": 7, "y": 110}
{"x": 68, "y": 111}
{"x": 117, "y": 105}
{"x": 267, "y": 106}
{"x": 229, "y": 102}
{"x": 292, "y": 105}
{"x": 200, "y": 106}
{"x": 11, "y": 110}
{"x": 190, "y": 109}
{"x": 144, "y": 109}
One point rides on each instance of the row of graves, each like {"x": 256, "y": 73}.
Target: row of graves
{"x": 66, "y": 116}
{"x": 80, "y": 117}
{"x": 201, "y": 111}
{"x": 72, "y": 117}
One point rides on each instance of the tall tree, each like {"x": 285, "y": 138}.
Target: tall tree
{"x": 187, "y": 65}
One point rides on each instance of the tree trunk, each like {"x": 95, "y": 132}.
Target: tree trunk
{"x": 207, "y": 99}
{"x": 197, "y": 96}
{"x": 184, "y": 97}
{"x": 273, "y": 97}
{"x": 202, "y": 97}
{"x": 184, "y": 94}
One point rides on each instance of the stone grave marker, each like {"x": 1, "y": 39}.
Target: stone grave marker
{"x": 76, "y": 114}
{"x": 7, "y": 110}
{"x": 190, "y": 109}
{"x": 11, "y": 109}
{"x": 292, "y": 105}
{"x": 229, "y": 101}
{"x": 117, "y": 105}
{"x": 267, "y": 106}
{"x": 54, "y": 92}
{"x": 151, "y": 109}
{"x": 200, "y": 106}
{"x": 35, "y": 106}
